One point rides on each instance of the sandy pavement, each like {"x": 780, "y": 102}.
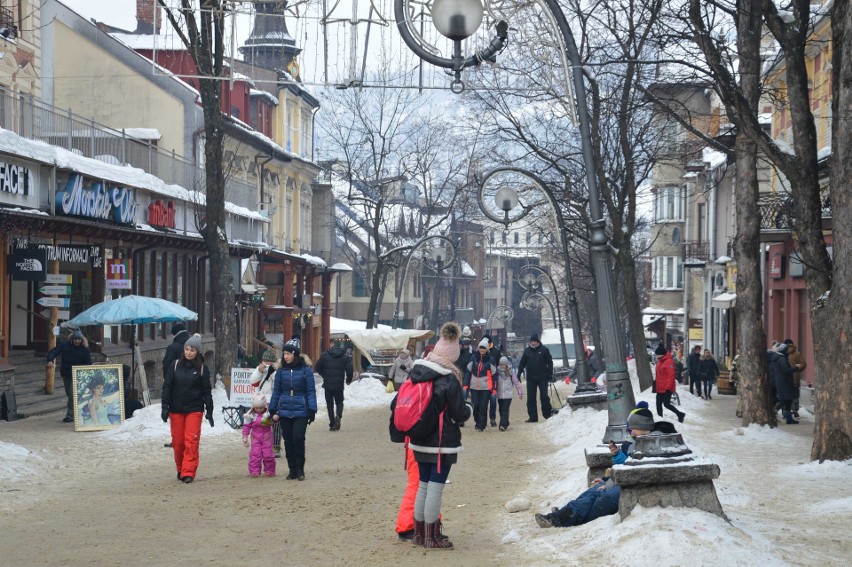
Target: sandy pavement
{"x": 98, "y": 502}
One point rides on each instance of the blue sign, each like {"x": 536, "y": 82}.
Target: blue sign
{"x": 96, "y": 201}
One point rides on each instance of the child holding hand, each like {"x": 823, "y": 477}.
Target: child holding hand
{"x": 506, "y": 381}
{"x": 257, "y": 425}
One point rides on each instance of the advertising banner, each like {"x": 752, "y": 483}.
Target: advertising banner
{"x": 27, "y": 264}
{"x": 241, "y": 389}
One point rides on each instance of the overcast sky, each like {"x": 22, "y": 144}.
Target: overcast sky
{"x": 119, "y": 13}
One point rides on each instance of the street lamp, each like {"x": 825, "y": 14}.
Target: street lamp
{"x": 530, "y": 277}
{"x": 620, "y": 398}
{"x": 435, "y": 257}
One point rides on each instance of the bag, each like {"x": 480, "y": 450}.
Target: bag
{"x": 654, "y": 386}
{"x": 389, "y": 387}
{"x": 415, "y": 415}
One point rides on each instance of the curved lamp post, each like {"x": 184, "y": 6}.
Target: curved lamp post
{"x": 506, "y": 198}
{"x": 503, "y": 313}
{"x": 456, "y": 20}
{"x": 620, "y": 398}
{"x": 439, "y": 257}
{"x": 530, "y": 277}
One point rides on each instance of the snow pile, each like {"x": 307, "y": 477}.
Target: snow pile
{"x": 17, "y": 462}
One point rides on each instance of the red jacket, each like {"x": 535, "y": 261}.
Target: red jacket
{"x": 666, "y": 374}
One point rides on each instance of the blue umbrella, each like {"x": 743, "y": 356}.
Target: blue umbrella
{"x": 132, "y": 310}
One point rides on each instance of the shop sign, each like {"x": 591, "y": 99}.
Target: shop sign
{"x": 160, "y": 214}
{"x": 18, "y": 184}
{"x": 27, "y": 264}
{"x": 241, "y": 388}
{"x": 96, "y": 201}
{"x": 119, "y": 273}
{"x": 776, "y": 266}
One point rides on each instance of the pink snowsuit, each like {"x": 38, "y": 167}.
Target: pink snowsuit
{"x": 261, "y": 446}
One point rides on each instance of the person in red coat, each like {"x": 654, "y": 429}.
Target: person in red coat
{"x": 666, "y": 382}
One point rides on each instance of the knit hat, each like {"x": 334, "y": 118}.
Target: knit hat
{"x": 269, "y": 356}
{"x": 466, "y": 332}
{"x": 78, "y": 335}
{"x": 292, "y": 346}
{"x": 788, "y": 341}
{"x": 194, "y": 341}
{"x": 177, "y": 328}
{"x": 483, "y": 343}
{"x": 447, "y": 346}
{"x": 259, "y": 401}
{"x": 504, "y": 360}
{"x": 642, "y": 404}
{"x": 534, "y": 338}
{"x": 641, "y": 419}
{"x": 661, "y": 349}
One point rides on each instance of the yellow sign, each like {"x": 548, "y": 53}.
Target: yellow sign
{"x": 696, "y": 334}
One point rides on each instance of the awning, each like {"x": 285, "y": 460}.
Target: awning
{"x": 724, "y": 300}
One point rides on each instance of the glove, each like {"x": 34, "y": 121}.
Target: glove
{"x": 311, "y": 416}
{"x": 210, "y": 418}
{"x": 165, "y": 415}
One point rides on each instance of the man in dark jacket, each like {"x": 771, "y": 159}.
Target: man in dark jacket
{"x": 74, "y": 353}
{"x": 784, "y": 382}
{"x": 175, "y": 349}
{"x": 335, "y": 367}
{"x": 538, "y": 364}
{"x": 693, "y": 368}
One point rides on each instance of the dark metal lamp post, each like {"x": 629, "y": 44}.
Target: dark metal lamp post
{"x": 620, "y": 398}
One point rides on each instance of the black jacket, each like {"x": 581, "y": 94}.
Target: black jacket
{"x": 71, "y": 356}
{"x": 173, "y": 351}
{"x": 447, "y": 394}
{"x": 783, "y": 376}
{"x": 537, "y": 362}
{"x": 186, "y": 389}
{"x": 708, "y": 369}
{"x": 334, "y": 367}
{"x": 693, "y": 365}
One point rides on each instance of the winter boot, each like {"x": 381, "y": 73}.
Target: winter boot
{"x": 432, "y": 542}
{"x": 419, "y": 533}
{"x": 439, "y": 530}
{"x": 789, "y": 417}
{"x": 337, "y": 423}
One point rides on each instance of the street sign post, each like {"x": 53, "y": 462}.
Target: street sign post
{"x": 58, "y": 278}
{"x": 63, "y": 302}
{"x": 55, "y": 289}
{"x": 64, "y": 315}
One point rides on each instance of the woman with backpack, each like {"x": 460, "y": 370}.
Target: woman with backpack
{"x": 436, "y": 449}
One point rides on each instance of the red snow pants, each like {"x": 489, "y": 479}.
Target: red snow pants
{"x": 186, "y": 433}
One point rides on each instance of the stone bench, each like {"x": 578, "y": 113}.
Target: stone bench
{"x": 663, "y": 472}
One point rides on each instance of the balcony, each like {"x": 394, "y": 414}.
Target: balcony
{"x": 778, "y": 214}
{"x": 8, "y": 29}
{"x": 695, "y": 253}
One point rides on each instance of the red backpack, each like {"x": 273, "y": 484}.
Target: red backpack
{"x": 415, "y": 414}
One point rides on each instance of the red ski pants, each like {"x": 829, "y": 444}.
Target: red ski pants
{"x": 186, "y": 432}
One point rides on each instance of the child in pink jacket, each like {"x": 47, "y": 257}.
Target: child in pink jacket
{"x": 258, "y": 426}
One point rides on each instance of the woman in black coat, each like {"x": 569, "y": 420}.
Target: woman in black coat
{"x": 186, "y": 395}
{"x": 783, "y": 374}
{"x": 709, "y": 370}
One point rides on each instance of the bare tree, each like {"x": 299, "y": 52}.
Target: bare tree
{"x": 827, "y": 277}
{"x": 202, "y": 33}
{"x": 382, "y": 138}
{"x": 535, "y": 121}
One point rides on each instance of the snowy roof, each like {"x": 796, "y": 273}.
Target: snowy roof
{"x": 265, "y": 95}
{"x": 144, "y": 41}
{"x": 341, "y": 267}
{"x": 466, "y": 269}
{"x": 651, "y": 310}
{"x": 122, "y": 174}
{"x": 713, "y": 158}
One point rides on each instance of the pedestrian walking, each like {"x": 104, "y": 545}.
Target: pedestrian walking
{"x": 186, "y": 395}
{"x": 294, "y": 404}
{"x": 666, "y": 382}
{"x": 537, "y": 363}
{"x": 693, "y": 368}
{"x": 479, "y": 383}
{"x": 336, "y": 370}
{"x": 709, "y": 372}
{"x": 507, "y": 383}
{"x": 262, "y": 380}
{"x": 784, "y": 382}
{"x": 400, "y": 367}
{"x": 257, "y": 434}
{"x": 74, "y": 352}
{"x": 797, "y": 363}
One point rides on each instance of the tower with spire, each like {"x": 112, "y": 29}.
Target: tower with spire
{"x": 270, "y": 45}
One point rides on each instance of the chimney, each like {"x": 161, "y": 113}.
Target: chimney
{"x": 147, "y": 19}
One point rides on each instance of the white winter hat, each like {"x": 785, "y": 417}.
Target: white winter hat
{"x": 483, "y": 343}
